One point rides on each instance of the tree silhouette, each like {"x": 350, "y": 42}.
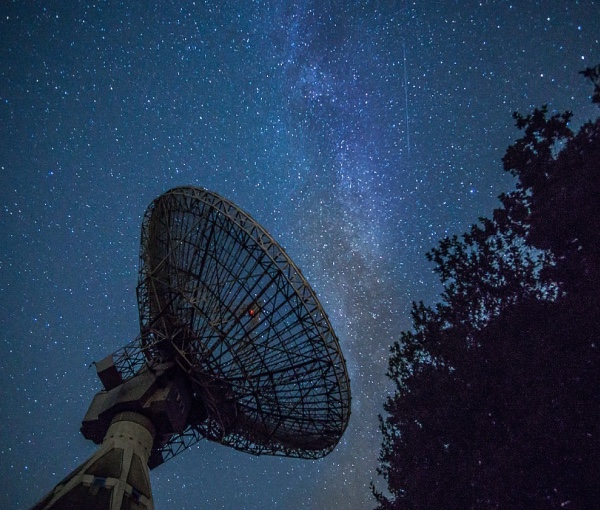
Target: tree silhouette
{"x": 593, "y": 74}
{"x": 497, "y": 401}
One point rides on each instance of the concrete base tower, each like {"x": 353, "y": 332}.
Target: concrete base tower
{"x": 116, "y": 477}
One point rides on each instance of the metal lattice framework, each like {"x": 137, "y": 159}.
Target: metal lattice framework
{"x": 219, "y": 296}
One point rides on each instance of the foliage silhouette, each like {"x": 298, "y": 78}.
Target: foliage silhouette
{"x": 497, "y": 401}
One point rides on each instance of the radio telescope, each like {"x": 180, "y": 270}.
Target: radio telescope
{"x": 234, "y": 347}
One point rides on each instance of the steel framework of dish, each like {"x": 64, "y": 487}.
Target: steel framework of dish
{"x": 234, "y": 347}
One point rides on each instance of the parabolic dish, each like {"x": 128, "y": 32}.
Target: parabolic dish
{"x": 217, "y": 294}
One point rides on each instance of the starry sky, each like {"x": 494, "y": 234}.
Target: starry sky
{"x": 358, "y": 133}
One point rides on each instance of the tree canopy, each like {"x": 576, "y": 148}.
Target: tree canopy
{"x": 497, "y": 400}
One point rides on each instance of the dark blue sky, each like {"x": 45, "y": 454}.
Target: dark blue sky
{"x": 299, "y": 113}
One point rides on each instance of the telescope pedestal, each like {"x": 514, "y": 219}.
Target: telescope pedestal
{"x": 116, "y": 477}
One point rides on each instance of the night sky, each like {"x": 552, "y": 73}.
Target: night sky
{"x": 357, "y": 133}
